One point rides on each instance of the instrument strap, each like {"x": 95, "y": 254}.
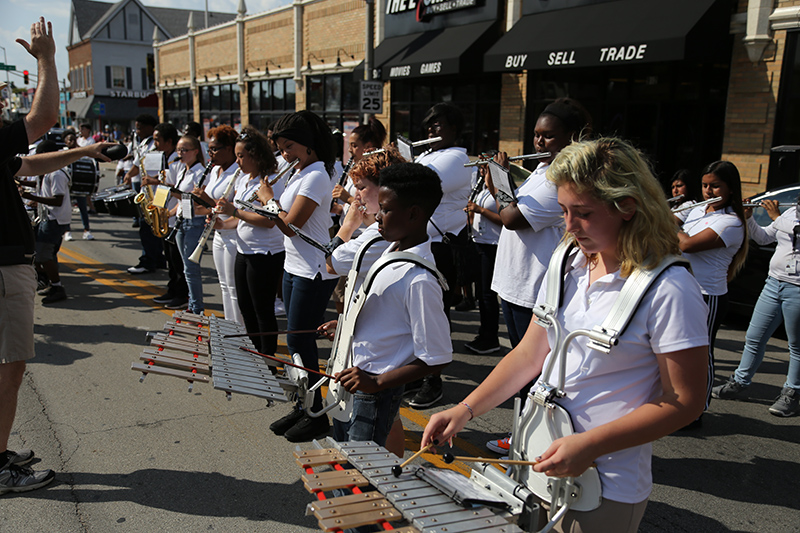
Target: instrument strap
{"x": 624, "y": 307}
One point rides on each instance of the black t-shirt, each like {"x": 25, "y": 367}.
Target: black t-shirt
{"x": 16, "y": 233}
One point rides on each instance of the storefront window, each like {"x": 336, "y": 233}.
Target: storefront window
{"x": 478, "y": 97}
{"x": 787, "y": 120}
{"x": 178, "y": 107}
{"x": 334, "y": 97}
{"x": 270, "y": 100}
{"x": 219, "y": 104}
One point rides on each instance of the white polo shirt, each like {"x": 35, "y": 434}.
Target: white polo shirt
{"x": 316, "y": 184}
{"x": 523, "y": 255}
{"x": 343, "y": 256}
{"x": 604, "y": 387}
{"x": 449, "y": 165}
{"x": 710, "y": 267}
{"x": 785, "y": 262}
{"x": 256, "y": 239}
{"x": 484, "y": 231}
{"x": 402, "y": 319}
{"x": 217, "y": 182}
{"x": 54, "y": 184}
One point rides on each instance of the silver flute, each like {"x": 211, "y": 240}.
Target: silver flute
{"x": 273, "y": 181}
{"x": 698, "y": 204}
{"x": 538, "y": 155}
{"x": 759, "y": 204}
{"x": 423, "y": 142}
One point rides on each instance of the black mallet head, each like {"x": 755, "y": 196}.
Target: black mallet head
{"x": 397, "y": 470}
{"x": 448, "y": 458}
{"x": 118, "y": 151}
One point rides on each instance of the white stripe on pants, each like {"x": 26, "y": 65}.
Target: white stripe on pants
{"x": 224, "y": 249}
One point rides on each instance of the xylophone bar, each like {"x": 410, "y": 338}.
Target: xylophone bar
{"x": 413, "y": 495}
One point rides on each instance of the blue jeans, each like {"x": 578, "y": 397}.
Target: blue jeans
{"x": 517, "y": 319}
{"x": 305, "y": 301}
{"x": 80, "y": 201}
{"x": 187, "y": 239}
{"x": 778, "y": 301}
{"x": 373, "y": 416}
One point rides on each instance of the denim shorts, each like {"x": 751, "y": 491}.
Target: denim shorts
{"x": 48, "y": 240}
{"x": 373, "y": 416}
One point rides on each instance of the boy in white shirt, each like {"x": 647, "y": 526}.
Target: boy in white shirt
{"x": 402, "y": 333}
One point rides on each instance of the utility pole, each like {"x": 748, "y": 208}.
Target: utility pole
{"x": 368, "y": 46}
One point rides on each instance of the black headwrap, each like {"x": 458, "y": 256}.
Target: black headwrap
{"x": 297, "y": 132}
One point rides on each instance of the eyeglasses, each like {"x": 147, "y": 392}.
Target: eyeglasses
{"x": 214, "y": 149}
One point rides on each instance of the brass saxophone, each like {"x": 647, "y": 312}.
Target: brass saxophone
{"x": 156, "y": 217}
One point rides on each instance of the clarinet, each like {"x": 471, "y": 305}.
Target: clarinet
{"x": 343, "y": 177}
{"x": 170, "y": 238}
{"x": 198, "y": 251}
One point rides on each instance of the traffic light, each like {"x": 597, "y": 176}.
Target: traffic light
{"x": 25, "y": 76}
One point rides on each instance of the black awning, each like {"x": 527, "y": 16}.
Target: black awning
{"x": 387, "y": 49}
{"x": 437, "y": 52}
{"x": 611, "y": 33}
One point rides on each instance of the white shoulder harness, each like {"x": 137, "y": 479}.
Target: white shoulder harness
{"x": 636, "y": 286}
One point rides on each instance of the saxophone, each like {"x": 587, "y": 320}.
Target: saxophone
{"x": 156, "y": 217}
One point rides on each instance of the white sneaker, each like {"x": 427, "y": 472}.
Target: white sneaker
{"x": 68, "y": 236}
{"x": 280, "y": 309}
{"x": 87, "y": 236}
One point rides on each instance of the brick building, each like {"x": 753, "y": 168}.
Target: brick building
{"x": 689, "y": 81}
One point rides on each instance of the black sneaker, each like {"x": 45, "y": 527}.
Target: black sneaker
{"x": 308, "y": 428}
{"x": 177, "y": 303}
{"x": 22, "y": 457}
{"x": 482, "y": 346}
{"x": 164, "y": 298}
{"x": 139, "y": 269}
{"x": 14, "y": 478}
{"x": 56, "y": 294}
{"x": 466, "y": 304}
{"x": 787, "y": 404}
{"x": 429, "y": 394}
{"x": 729, "y": 390}
{"x": 411, "y": 389}
{"x": 135, "y": 223}
{"x": 280, "y": 426}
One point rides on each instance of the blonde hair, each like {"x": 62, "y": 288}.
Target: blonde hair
{"x": 612, "y": 170}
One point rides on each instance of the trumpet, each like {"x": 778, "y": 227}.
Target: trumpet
{"x": 273, "y": 181}
{"x": 698, "y": 204}
{"x": 198, "y": 251}
{"x": 538, "y": 155}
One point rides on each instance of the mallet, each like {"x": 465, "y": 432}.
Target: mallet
{"x": 449, "y": 458}
{"x": 398, "y": 469}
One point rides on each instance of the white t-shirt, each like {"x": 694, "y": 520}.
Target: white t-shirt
{"x": 256, "y": 239}
{"x": 785, "y": 262}
{"x": 710, "y": 267}
{"x": 402, "y": 319}
{"x": 54, "y": 184}
{"x": 343, "y": 256}
{"x": 84, "y": 141}
{"x": 174, "y": 166}
{"x": 484, "y": 231}
{"x": 217, "y": 182}
{"x": 186, "y": 180}
{"x": 449, "y": 165}
{"x": 523, "y": 255}
{"x": 302, "y": 259}
{"x": 604, "y": 387}
{"x": 145, "y": 145}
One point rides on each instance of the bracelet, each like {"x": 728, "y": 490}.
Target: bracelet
{"x": 471, "y": 413}
{"x": 235, "y": 212}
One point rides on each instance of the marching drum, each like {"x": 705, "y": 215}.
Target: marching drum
{"x": 98, "y": 198}
{"x": 121, "y": 204}
{"x": 85, "y": 177}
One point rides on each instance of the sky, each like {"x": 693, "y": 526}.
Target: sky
{"x": 17, "y": 16}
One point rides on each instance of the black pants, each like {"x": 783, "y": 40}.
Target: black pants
{"x": 176, "y": 286}
{"x": 443, "y": 256}
{"x": 257, "y": 277}
{"x": 152, "y": 251}
{"x": 487, "y": 299}
{"x": 717, "y": 309}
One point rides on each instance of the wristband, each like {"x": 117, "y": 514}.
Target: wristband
{"x": 471, "y": 414}
{"x": 235, "y": 212}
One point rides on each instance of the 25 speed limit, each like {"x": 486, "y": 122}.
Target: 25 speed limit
{"x": 372, "y": 97}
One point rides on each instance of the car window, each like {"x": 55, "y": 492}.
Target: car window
{"x": 785, "y": 196}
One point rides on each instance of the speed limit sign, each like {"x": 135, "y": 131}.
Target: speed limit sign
{"x": 372, "y": 97}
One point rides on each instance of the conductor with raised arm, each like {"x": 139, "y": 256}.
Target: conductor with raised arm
{"x": 17, "y": 275}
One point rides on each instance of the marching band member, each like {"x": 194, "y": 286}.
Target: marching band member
{"x": 190, "y": 225}
{"x": 447, "y": 160}
{"x": 307, "y": 285}
{"x": 165, "y": 138}
{"x": 221, "y": 145}
{"x": 682, "y": 189}
{"x": 652, "y": 382}
{"x": 714, "y": 240}
{"x": 152, "y": 250}
{"x": 532, "y": 226}
{"x": 259, "y": 244}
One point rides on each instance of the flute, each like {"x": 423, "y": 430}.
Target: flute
{"x": 273, "y": 181}
{"x": 759, "y": 204}
{"x": 698, "y": 204}
{"x": 198, "y": 251}
{"x": 675, "y": 199}
{"x": 537, "y": 155}
{"x": 423, "y": 142}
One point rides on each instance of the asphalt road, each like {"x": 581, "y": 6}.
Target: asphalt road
{"x": 151, "y": 456}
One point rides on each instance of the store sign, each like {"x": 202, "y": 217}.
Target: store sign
{"x": 371, "y": 97}
{"x": 130, "y": 94}
{"x": 579, "y": 57}
{"x": 426, "y": 8}
{"x": 79, "y": 94}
